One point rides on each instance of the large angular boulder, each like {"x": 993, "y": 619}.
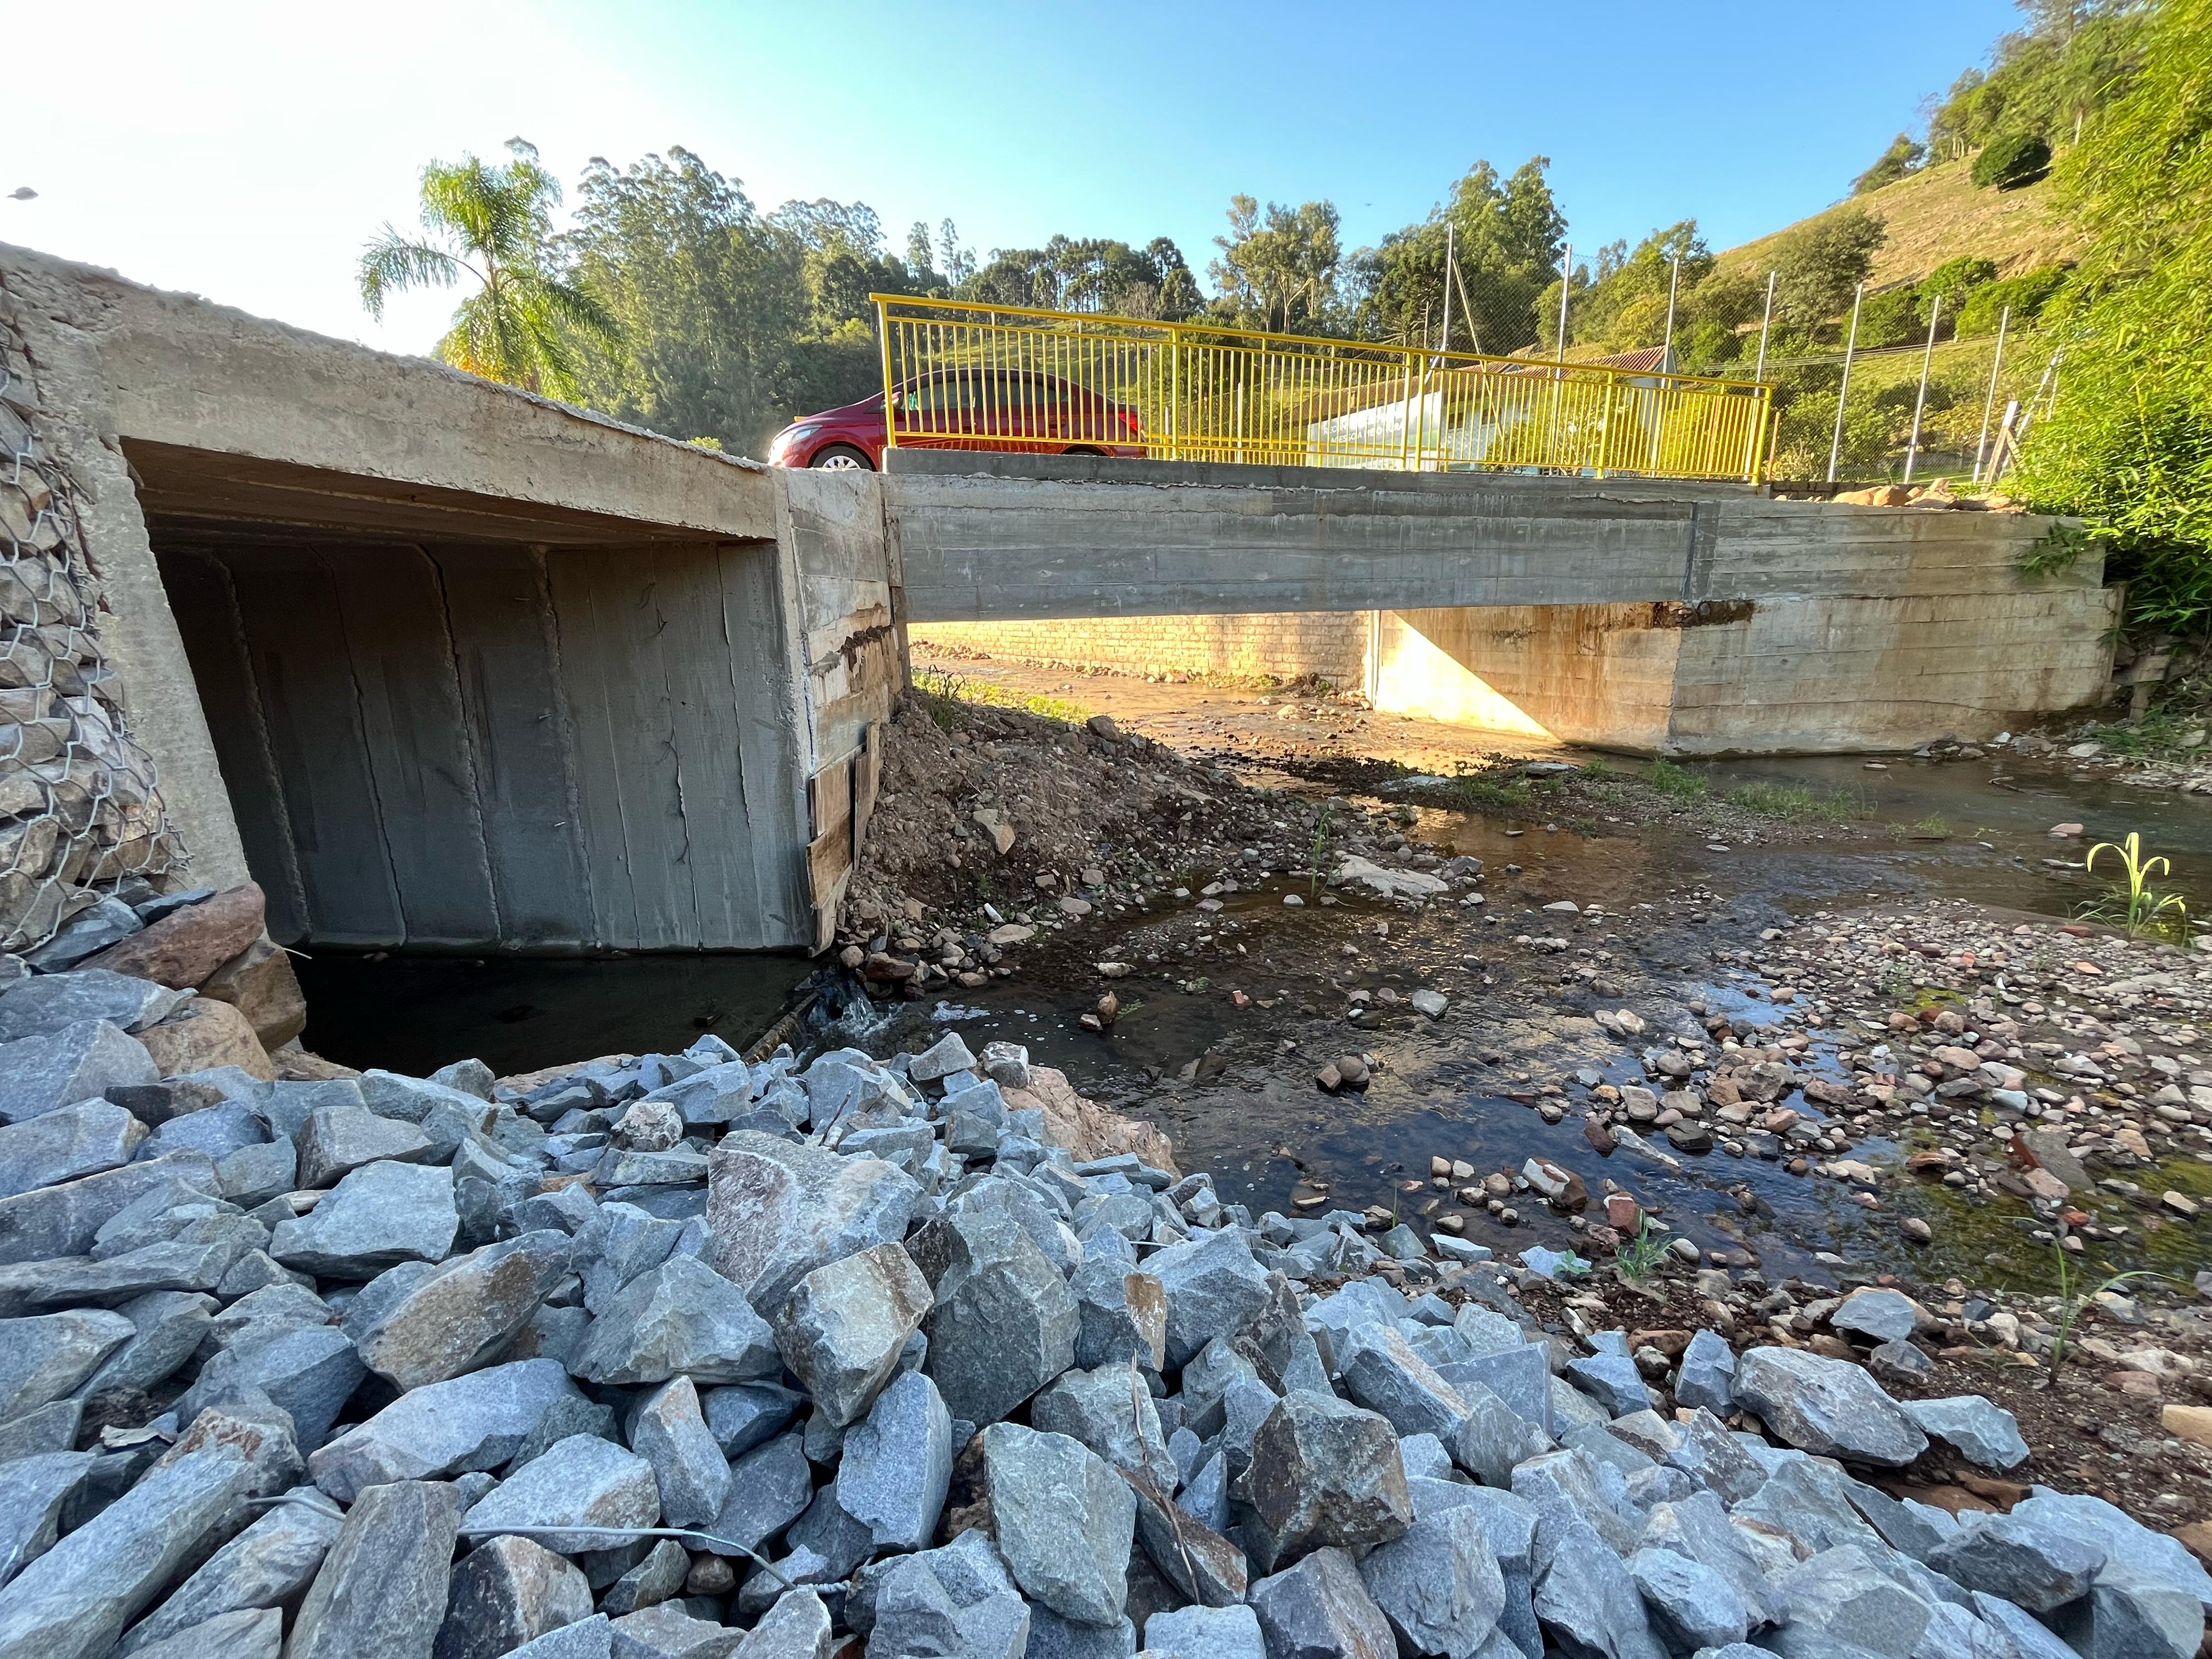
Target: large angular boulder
{"x": 41, "y": 1487}
{"x": 309, "y": 1370}
{"x": 1213, "y": 1288}
{"x": 1437, "y": 1583}
{"x": 47, "y": 1002}
{"x": 270, "y": 1564}
{"x": 776, "y": 1211}
{"x": 382, "y": 1588}
{"x": 1323, "y": 1471}
{"x": 843, "y": 1326}
{"x": 505, "y": 1592}
{"x": 379, "y": 1215}
{"x": 53, "y": 1222}
{"x": 957, "y": 1602}
{"x": 1829, "y": 1407}
{"x": 204, "y": 1035}
{"x": 1586, "y": 1602}
{"x": 66, "y": 1143}
{"x": 340, "y": 1137}
{"x": 474, "y": 1422}
{"x": 1980, "y": 1431}
{"x": 46, "y": 1356}
{"x": 189, "y": 944}
{"x": 897, "y": 1464}
{"x": 1321, "y": 1609}
{"x": 1845, "y": 1594}
{"x": 422, "y": 1322}
{"x": 1110, "y": 1411}
{"x": 681, "y": 1317}
{"x": 1005, "y": 1321}
{"x": 669, "y": 1432}
{"x": 1063, "y": 1519}
{"x": 1380, "y": 1371}
{"x": 258, "y": 981}
{"x": 2029, "y": 1563}
{"x": 60, "y": 1068}
{"x": 583, "y": 1482}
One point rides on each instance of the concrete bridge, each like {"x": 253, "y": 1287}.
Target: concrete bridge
{"x": 442, "y": 664}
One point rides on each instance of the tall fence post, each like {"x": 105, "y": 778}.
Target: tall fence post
{"x": 1843, "y": 391}
{"x": 1981, "y": 443}
{"x": 1765, "y": 322}
{"x": 1920, "y": 401}
{"x": 1666, "y": 347}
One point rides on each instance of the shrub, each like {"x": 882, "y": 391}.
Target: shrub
{"x": 1892, "y": 317}
{"x": 2025, "y": 294}
{"x": 2010, "y": 162}
{"x": 1954, "y": 279}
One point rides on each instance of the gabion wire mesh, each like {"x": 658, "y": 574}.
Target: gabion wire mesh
{"x": 81, "y": 812}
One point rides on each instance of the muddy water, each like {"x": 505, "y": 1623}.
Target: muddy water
{"x": 1233, "y": 1083}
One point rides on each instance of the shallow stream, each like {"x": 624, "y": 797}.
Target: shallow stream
{"x": 1233, "y": 1084}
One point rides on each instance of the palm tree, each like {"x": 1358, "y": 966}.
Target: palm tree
{"x": 496, "y": 224}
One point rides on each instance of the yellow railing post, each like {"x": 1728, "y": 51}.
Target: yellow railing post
{"x": 884, "y": 341}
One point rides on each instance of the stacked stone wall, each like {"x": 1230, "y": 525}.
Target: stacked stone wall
{"x": 81, "y": 812}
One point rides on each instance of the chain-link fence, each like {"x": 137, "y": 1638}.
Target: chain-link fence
{"x": 80, "y": 814}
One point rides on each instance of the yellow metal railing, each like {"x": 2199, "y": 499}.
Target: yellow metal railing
{"x": 959, "y": 376}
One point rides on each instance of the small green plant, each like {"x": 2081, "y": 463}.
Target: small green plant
{"x": 1677, "y": 782}
{"x": 1796, "y": 802}
{"x": 2010, "y": 162}
{"x": 1640, "y": 1257}
{"x": 2132, "y": 903}
{"x": 2071, "y": 1301}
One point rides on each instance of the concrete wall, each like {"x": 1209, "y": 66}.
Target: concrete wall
{"x": 1287, "y": 644}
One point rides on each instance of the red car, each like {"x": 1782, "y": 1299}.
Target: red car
{"x": 966, "y": 409}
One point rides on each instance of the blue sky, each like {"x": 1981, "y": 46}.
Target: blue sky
{"x": 245, "y": 148}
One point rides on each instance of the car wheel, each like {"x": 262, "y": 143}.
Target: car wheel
{"x": 842, "y": 458}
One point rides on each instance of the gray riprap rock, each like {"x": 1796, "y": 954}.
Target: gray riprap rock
{"x": 615, "y": 1243}
{"x": 1981, "y": 1432}
{"x": 1879, "y": 1314}
{"x": 2126, "y": 1617}
{"x": 342, "y": 1137}
{"x": 1843, "y": 1594}
{"x": 1809, "y": 1499}
{"x": 380, "y": 1214}
{"x": 49, "y": 1002}
{"x": 505, "y": 1592}
{"x": 2030, "y": 1564}
{"x": 1213, "y": 1288}
{"x": 1319, "y": 1609}
{"x": 1492, "y": 1439}
{"x": 1585, "y": 1600}
{"x": 583, "y": 1481}
{"x": 1005, "y": 1323}
{"x": 1509, "y": 1526}
{"x": 1123, "y": 1312}
{"x": 1569, "y": 1486}
{"x": 474, "y": 1422}
{"x": 389, "y": 1094}
{"x": 1695, "y": 1605}
{"x": 947, "y": 1056}
{"x": 2129, "y": 1547}
{"x": 65, "y": 1143}
{"x": 842, "y": 1329}
{"x": 1911, "y": 1527}
{"x": 267, "y": 1565}
{"x": 218, "y": 1131}
{"x": 1438, "y": 1585}
{"x": 249, "y": 1633}
{"x": 1711, "y": 1457}
{"x": 1829, "y": 1407}
{"x": 572, "y": 1414}
{"x": 51, "y": 1428}
{"x": 1110, "y": 1411}
{"x": 46, "y": 1356}
{"x": 587, "y": 1639}
{"x": 420, "y": 1323}
{"x": 679, "y": 1317}
{"x": 1052, "y": 1637}
{"x": 1707, "y": 1374}
{"x": 1613, "y": 1381}
{"x": 63, "y": 1219}
{"x": 670, "y": 1433}
{"x": 1697, "y": 1528}
{"x": 1520, "y": 1375}
{"x": 770, "y": 1488}
{"x": 668, "y": 1630}
{"x": 1065, "y": 1521}
{"x": 796, "y": 1628}
{"x": 1323, "y": 1472}
{"x": 776, "y": 1211}
{"x": 659, "y": 1577}
{"x": 382, "y": 1588}
{"x": 1381, "y": 1370}
{"x": 253, "y": 1175}
{"x": 75, "y": 1600}
{"x": 170, "y": 1326}
{"x": 957, "y": 1602}
{"x": 181, "y": 1265}
{"x": 1194, "y": 1557}
{"x": 897, "y": 1464}
{"x": 1206, "y": 1633}
{"x": 748, "y": 1415}
{"x": 40, "y": 1488}
{"x": 76, "y": 1062}
{"x": 309, "y": 1370}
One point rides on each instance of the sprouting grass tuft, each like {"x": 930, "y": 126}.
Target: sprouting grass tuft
{"x": 1796, "y": 802}
{"x": 1681, "y": 783}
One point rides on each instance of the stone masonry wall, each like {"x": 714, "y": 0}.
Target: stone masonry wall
{"x": 1286, "y": 644}
{"x": 81, "y": 812}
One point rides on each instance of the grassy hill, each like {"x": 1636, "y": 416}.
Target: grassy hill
{"x": 1939, "y": 214}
